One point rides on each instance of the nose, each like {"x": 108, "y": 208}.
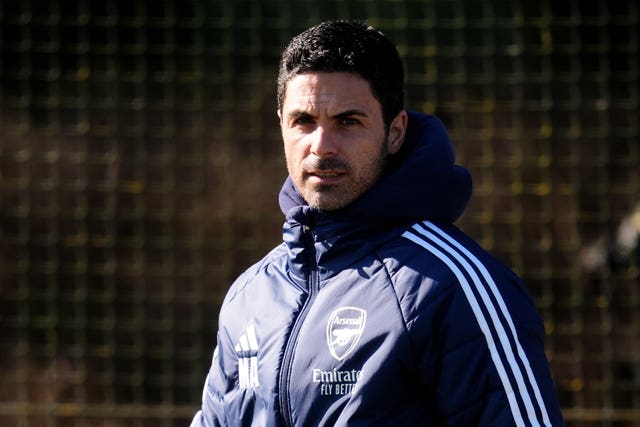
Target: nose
{"x": 323, "y": 142}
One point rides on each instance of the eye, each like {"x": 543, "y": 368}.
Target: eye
{"x": 302, "y": 120}
{"x": 349, "y": 121}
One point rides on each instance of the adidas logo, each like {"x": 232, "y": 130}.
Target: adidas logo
{"x": 247, "y": 351}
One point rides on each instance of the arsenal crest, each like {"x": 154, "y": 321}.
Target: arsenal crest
{"x": 344, "y": 329}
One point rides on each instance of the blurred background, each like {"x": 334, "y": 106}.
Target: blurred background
{"x": 140, "y": 161}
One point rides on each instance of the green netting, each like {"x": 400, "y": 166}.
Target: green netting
{"x": 140, "y": 161}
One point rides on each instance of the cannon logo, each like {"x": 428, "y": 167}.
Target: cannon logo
{"x": 344, "y": 330}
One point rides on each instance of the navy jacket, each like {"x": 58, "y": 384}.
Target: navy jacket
{"x": 381, "y": 314}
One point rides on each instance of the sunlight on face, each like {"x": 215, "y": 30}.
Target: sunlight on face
{"x": 334, "y": 137}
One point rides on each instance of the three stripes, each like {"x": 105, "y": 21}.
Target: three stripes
{"x": 496, "y": 325}
{"x": 247, "y": 351}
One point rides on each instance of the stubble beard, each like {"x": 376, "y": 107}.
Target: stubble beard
{"x": 334, "y": 197}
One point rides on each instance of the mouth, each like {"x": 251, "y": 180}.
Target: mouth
{"x": 325, "y": 176}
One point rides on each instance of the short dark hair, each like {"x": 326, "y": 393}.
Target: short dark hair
{"x": 352, "y": 47}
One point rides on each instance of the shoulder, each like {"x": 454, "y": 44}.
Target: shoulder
{"x": 436, "y": 269}
{"x": 434, "y": 255}
{"x": 467, "y": 261}
{"x": 273, "y": 259}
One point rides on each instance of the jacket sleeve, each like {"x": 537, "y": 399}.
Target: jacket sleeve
{"x": 486, "y": 356}
{"x": 211, "y": 413}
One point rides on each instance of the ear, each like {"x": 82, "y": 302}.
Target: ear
{"x": 397, "y": 130}
{"x": 279, "y": 116}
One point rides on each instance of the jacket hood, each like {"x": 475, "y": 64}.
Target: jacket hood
{"x": 422, "y": 181}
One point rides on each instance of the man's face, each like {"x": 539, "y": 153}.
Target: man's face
{"x": 334, "y": 137}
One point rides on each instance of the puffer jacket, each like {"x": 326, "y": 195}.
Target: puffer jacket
{"x": 381, "y": 314}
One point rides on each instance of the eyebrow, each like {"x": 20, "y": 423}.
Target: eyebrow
{"x": 348, "y": 113}
{"x": 298, "y": 113}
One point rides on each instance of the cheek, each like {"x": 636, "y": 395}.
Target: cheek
{"x": 289, "y": 150}
{"x": 366, "y": 151}
{"x": 295, "y": 146}
{"x": 293, "y": 158}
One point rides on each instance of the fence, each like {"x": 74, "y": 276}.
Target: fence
{"x": 140, "y": 161}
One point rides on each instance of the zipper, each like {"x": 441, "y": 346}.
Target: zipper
{"x": 287, "y": 358}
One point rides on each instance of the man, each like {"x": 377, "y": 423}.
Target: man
{"x": 375, "y": 310}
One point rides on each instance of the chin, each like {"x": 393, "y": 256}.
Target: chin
{"x": 329, "y": 205}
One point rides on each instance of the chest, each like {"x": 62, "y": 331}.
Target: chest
{"x": 321, "y": 349}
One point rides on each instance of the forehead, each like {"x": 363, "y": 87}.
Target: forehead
{"x": 323, "y": 90}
